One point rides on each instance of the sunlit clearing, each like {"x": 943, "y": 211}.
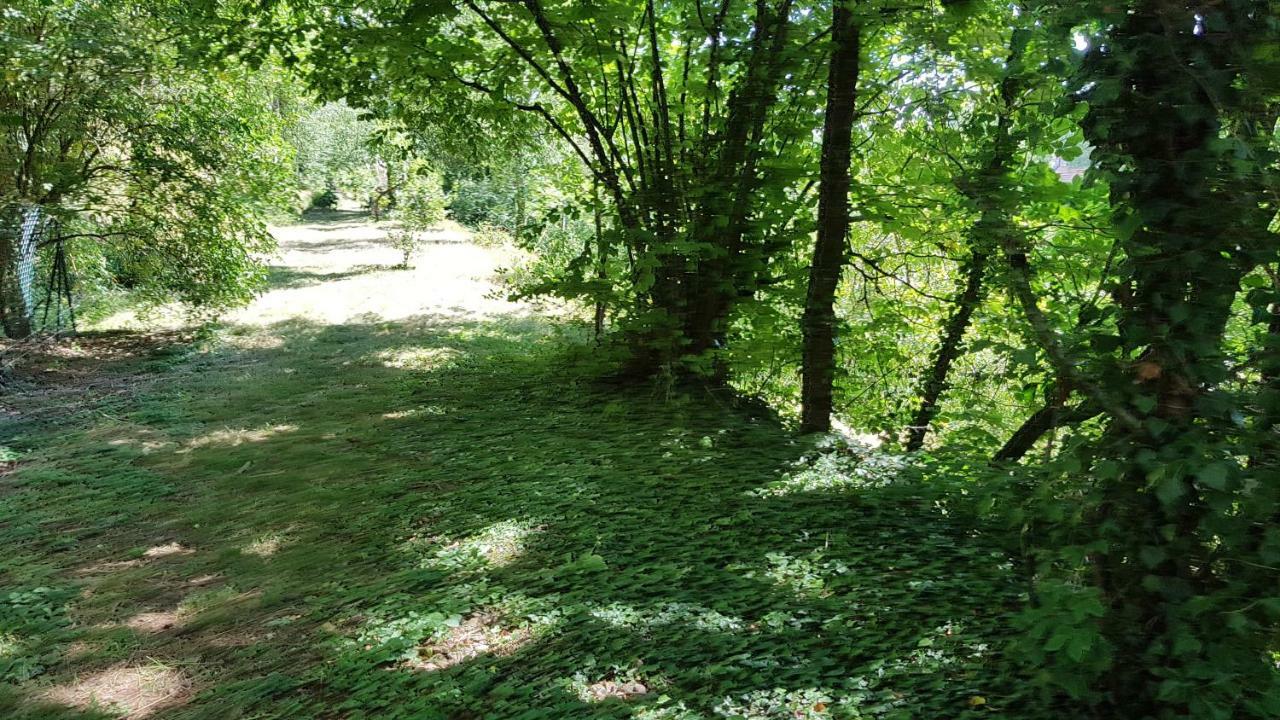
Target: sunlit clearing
{"x": 232, "y": 437}
{"x": 134, "y": 691}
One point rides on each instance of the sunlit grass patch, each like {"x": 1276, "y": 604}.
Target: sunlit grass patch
{"x": 168, "y": 549}
{"x": 234, "y": 437}
{"x": 266, "y": 545}
{"x": 494, "y": 546}
{"x": 135, "y": 691}
{"x": 419, "y": 411}
{"x": 484, "y": 633}
{"x": 419, "y": 358}
{"x": 842, "y": 468}
{"x": 445, "y": 516}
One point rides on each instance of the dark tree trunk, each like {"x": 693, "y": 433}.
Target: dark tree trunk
{"x": 830, "y": 253}
{"x": 602, "y": 264}
{"x": 1196, "y": 217}
{"x": 935, "y": 379}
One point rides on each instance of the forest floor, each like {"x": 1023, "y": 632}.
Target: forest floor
{"x": 382, "y": 494}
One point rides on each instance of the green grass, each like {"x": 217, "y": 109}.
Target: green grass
{"x": 442, "y": 518}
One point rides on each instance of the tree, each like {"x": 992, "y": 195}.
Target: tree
{"x": 666, "y": 104}
{"x": 829, "y": 252}
{"x": 1171, "y": 536}
{"x": 167, "y": 170}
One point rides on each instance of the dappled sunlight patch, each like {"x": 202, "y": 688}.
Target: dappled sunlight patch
{"x": 141, "y": 438}
{"x": 234, "y": 437}
{"x": 106, "y": 567}
{"x": 787, "y": 704}
{"x": 484, "y": 633}
{"x": 135, "y": 691}
{"x": 266, "y": 545}
{"x": 805, "y": 575}
{"x": 246, "y": 340}
{"x": 495, "y": 546}
{"x": 419, "y": 411}
{"x": 10, "y": 645}
{"x": 150, "y": 623}
{"x": 673, "y": 613}
{"x": 838, "y": 467}
{"x": 602, "y": 690}
{"x": 418, "y": 358}
{"x": 617, "y": 684}
{"x": 945, "y": 647}
{"x": 167, "y": 550}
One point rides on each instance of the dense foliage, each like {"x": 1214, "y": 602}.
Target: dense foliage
{"x": 162, "y": 172}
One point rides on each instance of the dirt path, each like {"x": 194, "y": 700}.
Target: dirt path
{"x": 343, "y": 268}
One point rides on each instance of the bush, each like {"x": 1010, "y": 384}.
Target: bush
{"x": 420, "y": 207}
{"x": 326, "y": 199}
{"x": 420, "y": 203}
{"x": 407, "y": 242}
{"x": 478, "y": 202}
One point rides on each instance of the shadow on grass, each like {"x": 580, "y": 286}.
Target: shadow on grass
{"x": 282, "y": 277}
{"x": 446, "y": 518}
{"x": 332, "y": 216}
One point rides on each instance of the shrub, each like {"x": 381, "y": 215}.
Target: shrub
{"x": 326, "y": 199}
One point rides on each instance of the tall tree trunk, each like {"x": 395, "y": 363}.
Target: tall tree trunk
{"x": 935, "y": 379}
{"x": 830, "y": 252}
{"x": 715, "y": 280}
{"x": 602, "y": 263}
{"x": 1194, "y": 209}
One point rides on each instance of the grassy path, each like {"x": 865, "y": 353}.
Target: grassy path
{"x": 382, "y": 494}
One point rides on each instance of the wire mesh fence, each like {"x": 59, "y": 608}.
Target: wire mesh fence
{"x": 35, "y": 275}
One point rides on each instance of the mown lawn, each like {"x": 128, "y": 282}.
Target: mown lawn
{"x": 444, "y": 517}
